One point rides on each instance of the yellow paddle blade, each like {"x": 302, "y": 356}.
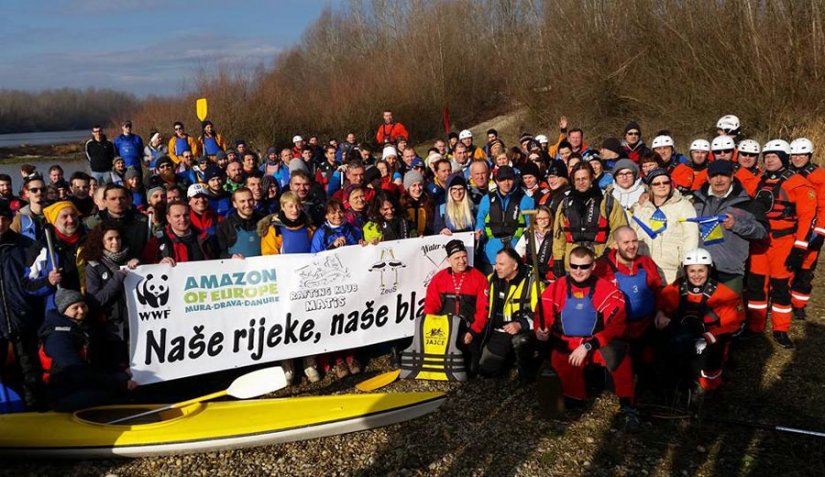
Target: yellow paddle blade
{"x": 201, "y": 106}
{"x": 379, "y": 381}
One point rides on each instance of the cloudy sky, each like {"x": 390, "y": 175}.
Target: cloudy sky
{"x": 141, "y": 46}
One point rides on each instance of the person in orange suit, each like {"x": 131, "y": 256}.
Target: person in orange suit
{"x": 801, "y": 151}
{"x": 699, "y": 316}
{"x": 774, "y": 260}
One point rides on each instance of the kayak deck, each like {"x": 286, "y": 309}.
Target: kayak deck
{"x": 206, "y": 427}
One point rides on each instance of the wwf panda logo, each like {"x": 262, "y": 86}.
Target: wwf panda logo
{"x": 153, "y": 291}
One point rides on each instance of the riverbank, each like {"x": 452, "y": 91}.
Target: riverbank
{"x": 44, "y": 152}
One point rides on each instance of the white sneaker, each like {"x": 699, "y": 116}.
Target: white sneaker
{"x": 312, "y": 374}
{"x": 289, "y": 371}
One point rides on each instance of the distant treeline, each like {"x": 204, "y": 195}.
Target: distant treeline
{"x": 675, "y": 64}
{"x": 61, "y": 109}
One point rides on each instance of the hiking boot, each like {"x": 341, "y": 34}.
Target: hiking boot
{"x": 632, "y": 424}
{"x": 341, "y": 370}
{"x": 289, "y": 371}
{"x": 799, "y": 314}
{"x": 747, "y": 334}
{"x": 312, "y": 374}
{"x": 354, "y": 366}
{"x": 781, "y": 338}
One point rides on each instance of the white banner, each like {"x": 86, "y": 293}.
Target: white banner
{"x": 201, "y": 317}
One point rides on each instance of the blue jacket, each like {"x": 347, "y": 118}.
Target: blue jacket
{"x": 65, "y": 346}
{"x": 325, "y": 235}
{"x": 16, "y": 311}
{"x": 130, "y": 148}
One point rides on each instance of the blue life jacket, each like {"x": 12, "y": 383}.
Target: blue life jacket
{"x": 247, "y": 244}
{"x": 9, "y": 400}
{"x": 210, "y": 145}
{"x": 181, "y": 145}
{"x": 221, "y": 205}
{"x": 579, "y": 317}
{"x": 294, "y": 240}
{"x": 641, "y": 302}
{"x": 128, "y": 149}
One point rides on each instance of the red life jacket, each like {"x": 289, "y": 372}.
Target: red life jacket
{"x": 593, "y": 227}
{"x": 772, "y": 192}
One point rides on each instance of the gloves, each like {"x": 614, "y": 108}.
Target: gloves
{"x": 794, "y": 260}
{"x": 815, "y": 244}
{"x": 701, "y": 344}
{"x": 558, "y": 268}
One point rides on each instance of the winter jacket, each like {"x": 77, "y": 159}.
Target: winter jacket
{"x": 279, "y": 238}
{"x": 130, "y": 148}
{"x": 731, "y": 255}
{"x": 190, "y": 143}
{"x": 391, "y": 132}
{"x": 152, "y": 154}
{"x": 611, "y": 216}
{"x": 28, "y": 224}
{"x": 104, "y": 294}
{"x": 39, "y": 264}
{"x": 100, "y": 154}
{"x": 168, "y": 244}
{"x": 63, "y": 355}
{"x": 670, "y": 246}
{"x": 326, "y": 234}
{"x": 470, "y": 300}
{"x": 17, "y": 313}
{"x": 227, "y": 231}
{"x": 636, "y": 152}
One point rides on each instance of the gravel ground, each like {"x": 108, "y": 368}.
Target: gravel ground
{"x": 493, "y": 427}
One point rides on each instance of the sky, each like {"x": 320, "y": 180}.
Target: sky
{"x": 141, "y": 46}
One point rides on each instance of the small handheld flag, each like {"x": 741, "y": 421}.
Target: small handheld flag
{"x": 657, "y": 223}
{"x": 710, "y": 228}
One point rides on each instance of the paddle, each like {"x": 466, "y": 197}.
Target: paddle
{"x": 379, "y": 381}
{"x": 201, "y": 107}
{"x": 250, "y": 385}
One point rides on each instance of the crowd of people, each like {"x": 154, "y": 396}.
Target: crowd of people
{"x": 627, "y": 256}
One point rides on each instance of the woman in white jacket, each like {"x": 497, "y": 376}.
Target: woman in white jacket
{"x": 669, "y": 246}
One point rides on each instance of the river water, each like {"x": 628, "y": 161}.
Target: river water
{"x": 38, "y": 139}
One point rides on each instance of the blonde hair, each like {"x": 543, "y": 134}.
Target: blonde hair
{"x": 289, "y": 197}
{"x": 459, "y": 213}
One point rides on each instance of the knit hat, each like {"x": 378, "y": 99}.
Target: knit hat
{"x": 456, "y": 179}
{"x": 505, "y": 172}
{"x": 626, "y": 164}
{"x": 556, "y": 168}
{"x": 389, "y": 150}
{"x": 297, "y": 164}
{"x": 525, "y": 136}
{"x": 164, "y": 160}
{"x": 411, "y": 177}
{"x": 720, "y": 168}
{"x": 66, "y": 297}
{"x": 130, "y": 173}
{"x": 51, "y": 212}
{"x": 612, "y": 144}
{"x": 658, "y": 172}
{"x": 454, "y": 246}
{"x": 631, "y": 126}
{"x": 154, "y": 189}
{"x": 370, "y": 174}
{"x": 211, "y": 172}
{"x": 530, "y": 169}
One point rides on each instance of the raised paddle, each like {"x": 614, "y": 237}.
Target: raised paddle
{"x": 250, "y": 385}
{"x": 379, "y": 381}
{"x": 202, "y": 109}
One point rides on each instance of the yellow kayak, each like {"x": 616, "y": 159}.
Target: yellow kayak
{"x": 205, "y": 426}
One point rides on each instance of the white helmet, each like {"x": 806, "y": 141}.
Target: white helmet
{"x": 749, "y": 146}
{"x": 662, "y": 141}
{"x": 698, "y": 256}
{"x": 542, "y": 139}
{"x": 728, "y": 123}
{"x": 777, "y": 146}
{"x": 802, "y": 145}
{"x": 722, "y": 143}
{"x": 464, "y": 134}
{"x": 700, "y": 145}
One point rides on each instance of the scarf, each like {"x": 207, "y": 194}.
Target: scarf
{"x": 293, "y": 224}
{"x": 116, "y": 258}
{"x": 69, "y": 239}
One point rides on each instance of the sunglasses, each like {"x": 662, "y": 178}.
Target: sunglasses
{"x": 581, "y": 266}
{"x": 747, "y": 154}
{"x": 37, "y": 189}
{"x": 658, "y": 184}
{"x": 178, "y": 129}
{"x": 164, "y": 166}
{"x": 633, "y": 133}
